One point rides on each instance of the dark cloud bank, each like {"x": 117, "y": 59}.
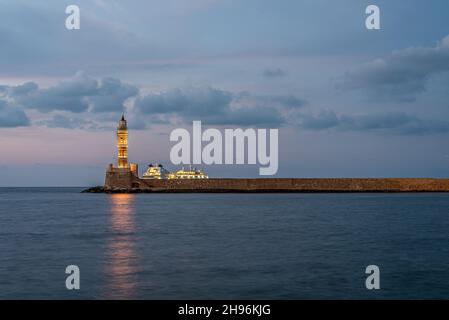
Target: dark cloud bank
{"x": 82, "y": 97}
{"x": 399, "y": 77}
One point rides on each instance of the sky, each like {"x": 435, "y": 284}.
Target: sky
{"x": 348, "y": 102}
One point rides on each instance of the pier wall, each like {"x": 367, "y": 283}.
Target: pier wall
{"x": 116, "y": 180}
{"x": 302, "y": 185}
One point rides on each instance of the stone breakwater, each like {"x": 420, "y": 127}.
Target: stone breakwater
{"x": 261, "y": 185}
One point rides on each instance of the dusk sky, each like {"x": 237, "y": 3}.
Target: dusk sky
{"x": 348, "y": 102}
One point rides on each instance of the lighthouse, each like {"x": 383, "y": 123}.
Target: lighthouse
{"x": 124, "y": 175}
{"x": 122, "y": 144}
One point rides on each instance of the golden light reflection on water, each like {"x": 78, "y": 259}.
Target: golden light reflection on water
{"x": 121, "y": 256}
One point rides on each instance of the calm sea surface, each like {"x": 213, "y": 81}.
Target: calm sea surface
{"x": 222, "y": 246}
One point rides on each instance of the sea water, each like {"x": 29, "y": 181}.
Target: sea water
{"x": 222, "y": 246}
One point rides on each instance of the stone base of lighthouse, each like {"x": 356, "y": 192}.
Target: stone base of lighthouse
{"x": 122, "y": 178}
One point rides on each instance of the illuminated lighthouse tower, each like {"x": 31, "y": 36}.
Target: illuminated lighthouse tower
{"x": 122, "y": 144}
{"x": 125, "y": 175}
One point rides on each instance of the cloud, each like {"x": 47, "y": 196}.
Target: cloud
{"x": 220, "y": 107}
{"x": 324, "y": 120}
{"x": 81, "y": 97}
{"x": 85, "y": 102}
{"x": 111, "y": 95}
{"x": 402, "y": 75}
{"x": 12, "y": 117}
{"x": 266, "y": 117}
{"x": 392, "y": 122}
{"x": 191, "y": 102}
{"x": 273, "y": 73}
{"x": 66, "y": 121}
{"x": 77, "y": 94}
{"x": 279, "y": 101}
